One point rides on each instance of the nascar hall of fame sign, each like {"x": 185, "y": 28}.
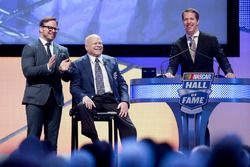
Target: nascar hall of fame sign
{"x": 195, "y": 91}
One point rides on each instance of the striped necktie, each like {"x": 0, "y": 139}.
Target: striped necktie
{"x": 193, "y": 48}
{"x": 99, "y": 78}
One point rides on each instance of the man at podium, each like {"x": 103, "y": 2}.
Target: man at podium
{"x": 195, "y": 52}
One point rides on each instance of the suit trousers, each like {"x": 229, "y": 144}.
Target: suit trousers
{"x": 105, "y": 103}
{"x": 47, "y": 116}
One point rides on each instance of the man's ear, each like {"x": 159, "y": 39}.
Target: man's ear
{"x": 40, "y": 29}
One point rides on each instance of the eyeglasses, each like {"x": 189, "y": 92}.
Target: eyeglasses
{"x": 51, "y": 28}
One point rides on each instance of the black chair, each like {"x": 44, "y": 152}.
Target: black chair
{"x": 109, "y": 117}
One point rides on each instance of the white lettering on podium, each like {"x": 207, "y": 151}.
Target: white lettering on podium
{"x": 193, "y": 100}
{"x": 197, "y": 85}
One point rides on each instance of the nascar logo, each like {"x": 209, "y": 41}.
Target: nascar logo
{"x": 195, "y": 91}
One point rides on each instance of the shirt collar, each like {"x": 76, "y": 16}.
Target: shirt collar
{"x": 196, "y": 34}
{"x": 44, "y": 41}
{"x": 92, "y": 58}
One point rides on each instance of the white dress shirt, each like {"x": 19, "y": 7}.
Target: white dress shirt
{"x": 189, "y": 38}
{"x": 104, "y": 73}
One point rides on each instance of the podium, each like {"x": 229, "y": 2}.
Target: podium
{"x": 191, "y": 127}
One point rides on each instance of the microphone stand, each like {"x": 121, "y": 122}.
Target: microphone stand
{"x": 218, "y": 69}
{"x": 163, "y": 62}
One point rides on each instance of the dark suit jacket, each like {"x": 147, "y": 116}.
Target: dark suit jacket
{"x": 207, "y": 48}
{"x": 82, "y": 83}
{"x": 39, "y": 80}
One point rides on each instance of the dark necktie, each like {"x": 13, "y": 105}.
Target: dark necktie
{"x": 48, "y": 50}
{"x": 193, "y": 48}
{"x": 99, "y": 78}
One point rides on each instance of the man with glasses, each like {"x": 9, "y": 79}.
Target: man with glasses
{"x": 44, "y": 64}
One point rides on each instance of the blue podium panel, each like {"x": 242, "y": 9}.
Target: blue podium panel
{"x": 191, "y": 127}
{"x": 165, "y": 90}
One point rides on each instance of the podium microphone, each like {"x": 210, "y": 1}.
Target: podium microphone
{"x": 202, "y": 54}
{"x": 163, "y": 62}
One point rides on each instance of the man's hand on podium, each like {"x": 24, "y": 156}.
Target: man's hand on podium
{"x": 169, "y": 75}
{"x": 230, "y": 75}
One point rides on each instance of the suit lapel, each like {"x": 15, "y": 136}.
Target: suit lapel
{"x": 108, "y": 66}
{"x": 108, "y": 69}
{"x": 55, "y": 49}
{"x": 41, "y": 49}
{"x": 87, "y": 68}
{"x": 201, "y": 40}
{"x": 185, "y": 46}
{"x": 200, "y": 46}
